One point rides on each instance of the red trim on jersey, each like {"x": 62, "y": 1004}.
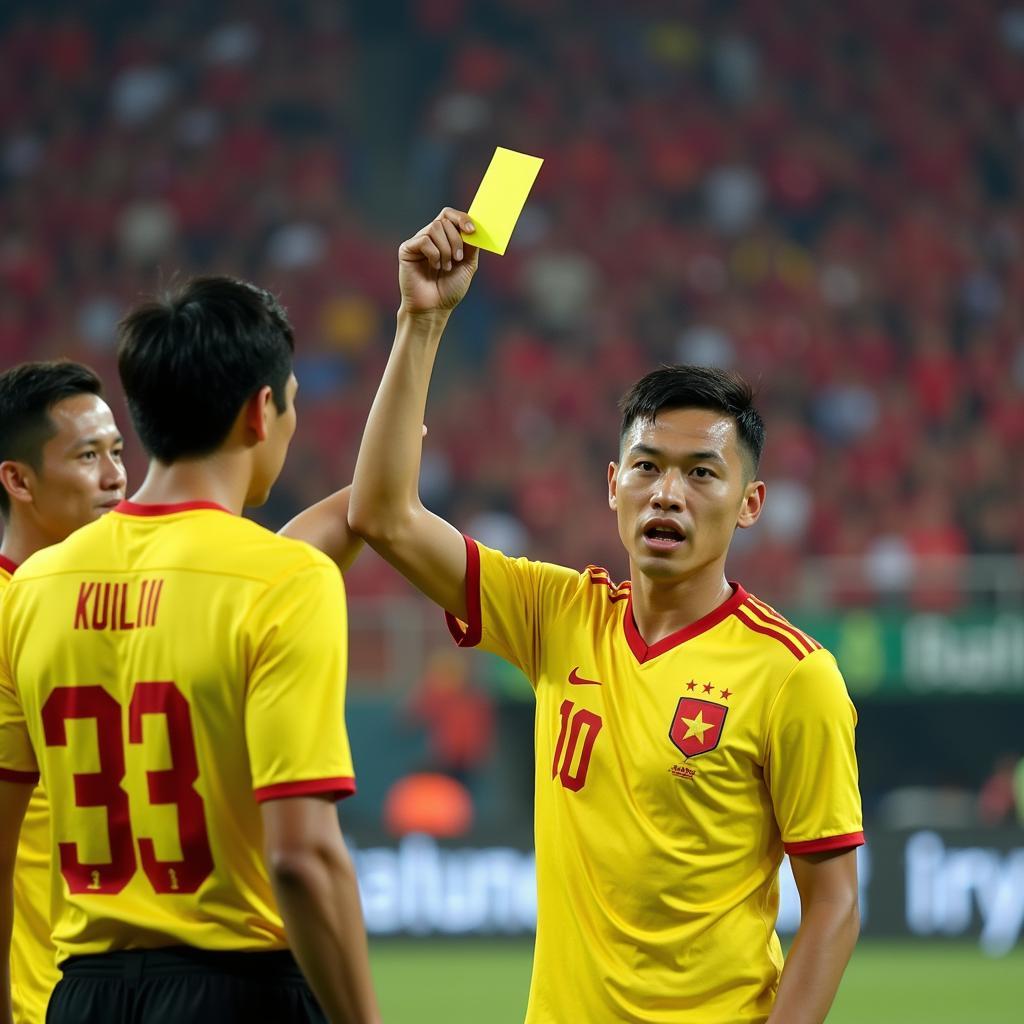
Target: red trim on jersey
{"x": 618, "y": 591}
{"x": 642, "y": 652}
{"x": 7, "y": 565}
{"x": 846, "y": 842}
{"x": 775, "y": 622}
{"x": 342, "y": 786}
{"x": 470, "y": 636}
{"x": 10, "y": 775}
{"x": 770, "y": 616}
{"x": 784, "y": 638}
{"x": 134, "y": 508}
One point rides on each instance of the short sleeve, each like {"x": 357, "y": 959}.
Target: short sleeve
{"x": 810, "y": 761}
{"x": 295, "y": 700}
{"x": 17, "y": 758}
{"x": 509, "y": 603}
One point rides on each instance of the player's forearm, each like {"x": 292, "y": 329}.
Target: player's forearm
{"x": 385, "y": 485}
{"x": 6, "y": 928}
{"x": 14, "y": 799}
{"x": 815, "y": 964}
{"x": 6, "y": 1009}
{"x": 319, "y": 901}
{"x": 325, "y": 526}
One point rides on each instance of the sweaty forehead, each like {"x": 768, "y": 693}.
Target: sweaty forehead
{"x": 685, "y": 430}
{"x": 80, "y": 417}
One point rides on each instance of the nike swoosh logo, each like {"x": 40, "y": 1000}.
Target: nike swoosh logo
{"x": 578, "y": 680}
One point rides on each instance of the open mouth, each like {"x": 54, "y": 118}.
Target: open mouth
{"x": 663, "y": 537}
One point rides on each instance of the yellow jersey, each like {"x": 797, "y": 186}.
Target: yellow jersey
{"x": 166, "y": 669}
{"x": 670, "y": 778}
{"x": 33, "y": 966}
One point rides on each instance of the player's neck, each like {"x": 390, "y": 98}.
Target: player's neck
{"x": 22, "y": 538}
{"x": 222, "y": 480}
{"x": 660, "y": 607}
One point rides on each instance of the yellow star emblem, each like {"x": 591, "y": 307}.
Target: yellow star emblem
{"x": 696, "y": 726}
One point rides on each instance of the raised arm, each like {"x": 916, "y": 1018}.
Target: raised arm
{"x": 434, "y": 272}
{"x": 325, "y": 526}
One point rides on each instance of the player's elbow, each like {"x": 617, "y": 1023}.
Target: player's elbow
{"x": 380, "y": 527}
{"x": 293, "y": 867}
{"x": 363, "y": 519}
{"x": 852, "y": 920}
{"x": 838, "y": 917}
{"x": 848, "y": 929}
{"x": 303, "y": 865}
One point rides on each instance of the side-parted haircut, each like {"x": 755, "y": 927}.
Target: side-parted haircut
{"x": 697, "y": 387}
{"x": 27, "y": 394}
{"x": 190, "y": 360}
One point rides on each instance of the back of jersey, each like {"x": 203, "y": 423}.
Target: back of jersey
{"x": 174, "y": 666}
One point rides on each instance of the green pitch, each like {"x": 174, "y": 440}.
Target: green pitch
{"x": 886, "y": 983}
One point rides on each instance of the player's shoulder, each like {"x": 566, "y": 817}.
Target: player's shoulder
{"x": 499, "y": 567}
{"x": 588, "y": 596}
{"x": 599, "y": 585}
{"x": 557, "y": 586}
{"x": 201, "y": 540}
{"x": 48, "y": 560}
{"x": 775, "y": 636}
{"x": 255, "y": 551}
{"x": 592, "y": 586}
{"x": 591, "y": 594}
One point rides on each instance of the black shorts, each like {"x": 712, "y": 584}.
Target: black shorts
{"x": 181, "y": 985}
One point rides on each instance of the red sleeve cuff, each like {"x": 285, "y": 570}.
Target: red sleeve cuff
{"x": 338, "y": 788}
{"x": 845, "y": 842}
{"x": 9, "y": 775}
{"x": 469, "y": 635}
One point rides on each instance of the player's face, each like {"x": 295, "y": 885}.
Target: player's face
{"x": 81, "y": 475}
{"x": 271, "y": 453}
{"x": 680, "y": 491}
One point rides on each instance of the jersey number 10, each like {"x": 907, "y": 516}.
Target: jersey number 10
{"x": 174, "y": 785}
{"x": 584, "y": 723}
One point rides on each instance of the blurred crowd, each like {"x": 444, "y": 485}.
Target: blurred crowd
{"x": 826, "y": 197}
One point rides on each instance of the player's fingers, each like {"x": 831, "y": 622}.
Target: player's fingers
{"x": 422, "y": 231}
{"x": 459, "y": 219}
{"x": 443, "y": 231}
{"x": 439, "y": 237}
{"x": 451, "y": 229}
{"x": 422, "y": 247}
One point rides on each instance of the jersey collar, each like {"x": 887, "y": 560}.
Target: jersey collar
{"x": 644, "y": 652}
{"x": 134, "y": 508}
{"x": 8, "y": 566}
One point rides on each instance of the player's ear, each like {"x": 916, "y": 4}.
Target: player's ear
{"x": 753, "y": 502}
{"x": 17, "y": 479}
{"x": 613, "y": 474}
{"x": 257, "y": 413}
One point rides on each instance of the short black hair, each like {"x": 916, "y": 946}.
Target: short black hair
{"x": 697, "y": 387}
{"x": 192, "y": 358}
{"x": 27, "y": 394}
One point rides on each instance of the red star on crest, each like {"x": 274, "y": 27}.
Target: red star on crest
{"x": 690, "y": 685}
{"x": 708, "y": 687}
{"x": 726, "y": 693}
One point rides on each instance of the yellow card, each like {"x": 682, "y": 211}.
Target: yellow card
{"x": 500, "y": 199}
